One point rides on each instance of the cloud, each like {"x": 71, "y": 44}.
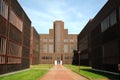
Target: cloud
{"x": 74, "y": 13}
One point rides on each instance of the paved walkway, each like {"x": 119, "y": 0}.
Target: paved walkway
{"x": 59, "y": 72}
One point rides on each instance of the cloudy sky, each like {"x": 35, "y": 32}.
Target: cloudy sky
{"x": 74, "y": 13}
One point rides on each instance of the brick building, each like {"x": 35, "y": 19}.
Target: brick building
{"x": 34, "y": 47}
{"x": 101, "y": 37}
{"x": 84, "y": 45}
{"x": 57, "y": 46}
{"x": 14, "y": 37}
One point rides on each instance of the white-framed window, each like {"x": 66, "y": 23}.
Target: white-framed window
{"x": 16, "y": 21}
{"x": 3, "y": 9}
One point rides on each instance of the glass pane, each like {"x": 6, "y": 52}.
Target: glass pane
{"x": 113, "y": 18}
{"x": 105, "y": 24}
{"x": 65, "y": 48}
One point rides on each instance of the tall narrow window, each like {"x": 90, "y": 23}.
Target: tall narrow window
{"x": 3, "y": 9}
{"x": 2, "y": 59}
{"x": 65, "y": 48}
{"x": 2, "y": 50}
{"x": 51, "y": 48}
{"x": 45, "y": 48}
{"x": 105, "y": 24}
{"x": 113, "y": 18}
{"x": 2, "y": 46}
{"x": 71, "y": 48}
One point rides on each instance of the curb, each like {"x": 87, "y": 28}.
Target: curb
{"x": 6, "y": 74}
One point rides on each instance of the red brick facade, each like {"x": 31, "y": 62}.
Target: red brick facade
{"x": 57, "y": 45}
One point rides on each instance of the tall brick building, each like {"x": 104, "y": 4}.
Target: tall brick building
{"x": 34, "y": 47}
{"x": 99, "y": 41}
{"x": 14, "y": 37}
{"x": 57, "y": 46}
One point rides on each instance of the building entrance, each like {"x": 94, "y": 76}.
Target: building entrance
{"x": 57, "y": 62}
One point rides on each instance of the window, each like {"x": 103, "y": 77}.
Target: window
{"x": 2, "y": 59}
{"x": 2, "y": 50}
{"x": 3, "y": 9}
{"x": 113, "y": 18}
{"x": 50, "y": 40}
{"x": 65, "y": 48}
{"x": 71, "y": 48}
{"x": 44, "y": 40}
{"x": 2, "y": 46}
{"x": 65, "y": 40}
{"x": 51, "y": 48}
{"x": 45, "y": 48}
{"x": 16, "y": 21}
{"x": 36, "y": 45}
{"x": 13, "y": 60}
{"x": 105, "y": 24}
{"x": 66, "y": 57}
{"x": 109, "y": 21}
{"x": 15, "y": 52}
{"x": 71, "y": 40}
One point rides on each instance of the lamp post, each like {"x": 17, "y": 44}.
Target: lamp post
{"x": 79, "y": 60}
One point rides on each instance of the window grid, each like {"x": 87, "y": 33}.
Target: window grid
{"x": 16, "y": 21}
{"x": 3, "y": 9}
{"x": 109, "y": 21}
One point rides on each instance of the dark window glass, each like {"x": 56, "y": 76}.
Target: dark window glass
{"x": 113, "y": 18}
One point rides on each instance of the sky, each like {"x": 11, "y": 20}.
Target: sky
{"x": 74, "y": 13}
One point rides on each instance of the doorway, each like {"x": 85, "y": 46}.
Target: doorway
{"x": 58, "y": 62}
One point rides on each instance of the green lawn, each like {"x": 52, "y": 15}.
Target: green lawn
{"x": 92, "y": 75}
{"x": 34, "y": 73}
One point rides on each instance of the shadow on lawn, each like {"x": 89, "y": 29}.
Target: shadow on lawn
{"x": 108, "y": 75}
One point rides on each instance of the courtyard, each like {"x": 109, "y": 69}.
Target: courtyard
{"x": 58, "y": 72}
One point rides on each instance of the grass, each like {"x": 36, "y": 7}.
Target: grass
{"x": 91, "y": 74}
{"x": 34, "y": 73}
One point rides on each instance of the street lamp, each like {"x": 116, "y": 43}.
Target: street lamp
{"x": 79, "y": 60}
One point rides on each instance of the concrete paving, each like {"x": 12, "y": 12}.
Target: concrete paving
{"x": 59, "y": 72}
